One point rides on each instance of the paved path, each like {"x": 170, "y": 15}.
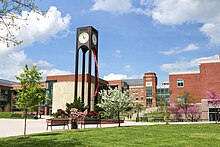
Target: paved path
{"x": 15, "y": 127}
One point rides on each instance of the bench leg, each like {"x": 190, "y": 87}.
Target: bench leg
{"x": 47, "y": 126}
{"x": 51, "y": 127}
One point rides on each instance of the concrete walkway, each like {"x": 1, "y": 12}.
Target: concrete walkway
{"x": 15, "y": 127}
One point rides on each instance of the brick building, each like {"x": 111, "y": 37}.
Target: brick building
{"x": 197, "y": 83}
{"x": 6, "y": 93}
{"x": 143, "y": 90}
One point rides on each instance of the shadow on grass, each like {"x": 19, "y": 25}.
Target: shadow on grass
{"x": 41, "y": 140}
{"x": 46, "y": 134}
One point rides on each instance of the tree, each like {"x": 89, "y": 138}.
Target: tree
{"x": 163, "y": 106}
{"x": 193, "y": 112}
{"x": 213, "y": 99}
{"x": 9, "y": 13}
{"x": 186, "y": 101}
{"x": 32, "y": 91}
{"x": 114, "y": 101}
{"x": 176, "y": 112}
{"x": 78, "y": 104}
{"x": 138, "y": 108}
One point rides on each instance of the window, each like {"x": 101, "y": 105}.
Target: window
{"x": 142, "y": 98}
{"x": 180, "y": 83}
{"x": 136, "y": 98}
{"x": 149, "y": 91}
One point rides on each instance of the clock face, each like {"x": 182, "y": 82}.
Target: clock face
{"x": 94, "y": 39}
{"x": 83, "y": 37}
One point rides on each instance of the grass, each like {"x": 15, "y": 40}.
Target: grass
{"x": 9, "y": 115}
{"x": 156, "y": 135}
{"x": 5, "y": 114}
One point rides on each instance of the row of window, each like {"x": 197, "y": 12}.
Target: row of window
{"x": 136, "y": 91}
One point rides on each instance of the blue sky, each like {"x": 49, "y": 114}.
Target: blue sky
{"x": 135, "y": 36}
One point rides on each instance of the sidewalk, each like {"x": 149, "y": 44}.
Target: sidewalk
{"x": 15, "y": 127}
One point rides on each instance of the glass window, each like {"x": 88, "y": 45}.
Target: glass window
{"x": 142, "y": 98}
{"x": 149, "y": 91}
{"x": 136, "y": 98}
{"x": 180, "y": 83}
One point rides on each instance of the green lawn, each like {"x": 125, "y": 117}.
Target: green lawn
{"x": 5, "y": 114}
{"x": 157, "y": 135}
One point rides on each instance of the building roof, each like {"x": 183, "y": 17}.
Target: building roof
{"x": 134, "y": 82}
{"x": 7, "y": 83}
{"x": 184, "y": 72}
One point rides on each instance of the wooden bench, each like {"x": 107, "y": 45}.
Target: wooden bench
{"x": 16, "y": 115}
{"x": 90, "y": 120}
{"x": 158, "y": 119}
{"x": 144, "y": 119}
{"x": 57, "y": 122}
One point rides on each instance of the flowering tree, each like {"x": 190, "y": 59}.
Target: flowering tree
{"x": 213, "y": 99}
{"x": 9, "y": 14}
{"x": 193, "y": 112}
{"x": 187, "y": 101}
{"x": 114, "y": 101}
{"x": 176, "y": 111}
{"x": 75, "y": 114}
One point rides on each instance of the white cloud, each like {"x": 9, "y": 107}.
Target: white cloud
{"x": 190, "y": 47}
{"x": 117, "y": 54}
{"x": 127, "y": 68}
{"x": 36, "y": 28}
{"x": 171, "y": 12}
{"x": 114, "y": 6}
{"x": 185, "y": 64}
{"x": 212, "y": 31}
{"x": 113, "y": 76}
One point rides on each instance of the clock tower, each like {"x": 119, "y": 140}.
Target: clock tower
{"x": 87, "y": 42}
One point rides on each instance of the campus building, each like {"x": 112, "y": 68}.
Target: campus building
{"x": 143, "y": 90}
{"x": 6, "y": 94}
{"x": 197, "y": 83}
{"x": 61, "y": 90}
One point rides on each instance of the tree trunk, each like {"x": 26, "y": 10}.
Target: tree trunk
{"x": 216, "y": 121}
{"x": 119, "y": 119}
{"x": 25, "y": 122}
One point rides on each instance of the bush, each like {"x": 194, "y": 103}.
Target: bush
{"x": 76, "y": 104}
{"x": 8, "y": 108}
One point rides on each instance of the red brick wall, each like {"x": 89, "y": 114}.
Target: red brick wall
{"x": 138, "y": 95}
{"x": 71, "y": 78}
{"x": 210, "y": 76}
{"x": 191, "y": 84}
{"x": 198, "y": 83}
{"x": 151, "y": 77}
{"x": 115, "y": 82}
